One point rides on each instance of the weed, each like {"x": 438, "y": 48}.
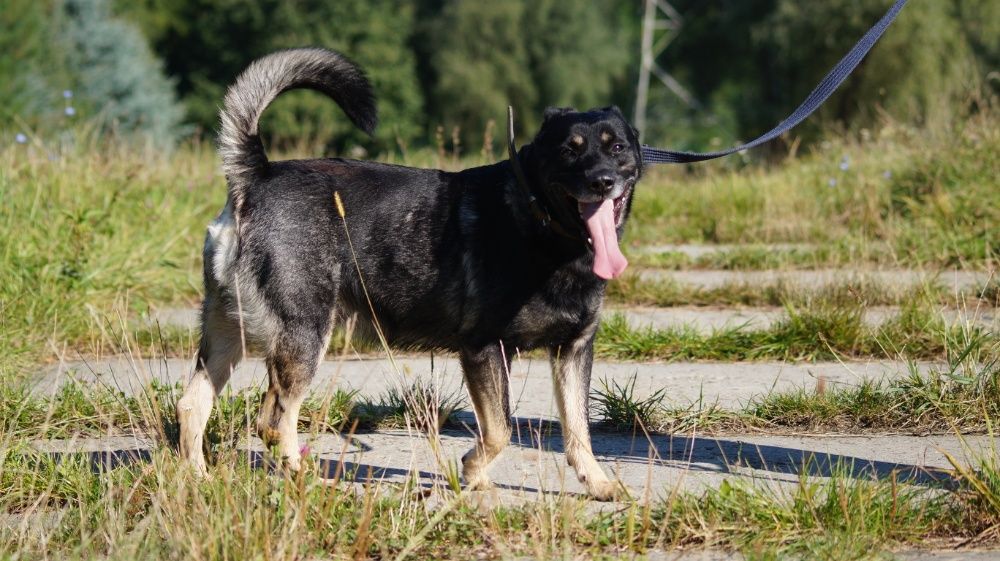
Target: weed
{"x": 421, "y": 405}
{"x": 619, "y": 407}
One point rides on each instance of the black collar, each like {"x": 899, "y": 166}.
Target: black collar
{"x": 536, "y": 207}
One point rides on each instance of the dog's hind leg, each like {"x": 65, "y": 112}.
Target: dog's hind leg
{"x": 291, "y": 365}
{"x": 571, "y": 366}
{"x": 486, "y": 374}
{"x": 219, "y": 352}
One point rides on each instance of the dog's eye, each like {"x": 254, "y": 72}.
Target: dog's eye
{"x": 617, "y": 148}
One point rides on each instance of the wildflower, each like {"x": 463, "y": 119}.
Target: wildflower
{"x": 67, "y": 94}
{"x": 70, "y": 111}
{"x": 20, "y": 138}
{"x": 887, "y": 174}
{"x": 845, "y": 163}
{"x": 832, "y": 182}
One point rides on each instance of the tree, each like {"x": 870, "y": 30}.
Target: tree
{"x": 487, "y": 55}
{"x": 375, "y": 34}
{"x": 116, "y": 73}
{"x": 32, "y": 70}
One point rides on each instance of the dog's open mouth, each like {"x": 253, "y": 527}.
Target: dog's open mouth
{"x": 603, "y": 218}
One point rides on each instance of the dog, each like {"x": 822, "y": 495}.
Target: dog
{"x": 480, "y": 262}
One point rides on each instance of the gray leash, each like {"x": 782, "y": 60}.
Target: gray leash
{"x": 826, "y": 87}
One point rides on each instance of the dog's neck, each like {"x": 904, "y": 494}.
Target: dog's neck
{"x": 549, "y": 210}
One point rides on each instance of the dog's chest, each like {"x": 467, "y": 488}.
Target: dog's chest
{"x": 555, "y": 314}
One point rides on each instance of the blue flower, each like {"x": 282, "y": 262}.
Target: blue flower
{"x": 845, "y": 163}
{"x": 21, "y": 138}
{"x": 70, "y": 111}
{"x": 67, "y": 94}
{"x": 887, "y": 174}
{"x": 832, "y": 182}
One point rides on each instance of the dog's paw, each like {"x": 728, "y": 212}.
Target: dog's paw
{"x": 605, "y": 490}
{"x": 198, "y": 467}
{"x": 478, "y": 481}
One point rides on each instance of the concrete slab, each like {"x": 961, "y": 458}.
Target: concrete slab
{"x": 727, "y": 384}
{"x": 700, "y": 319}
{"x": 899, "y": 279}
{"x": 694, "y": 251}
{"x": 708, "y": 319}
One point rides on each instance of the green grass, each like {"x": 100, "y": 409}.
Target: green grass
{"x": 817, "y": 331}
{"x": 908, "y": 198}
{"x": 619, "y": 407}
{"x": 749, "y": 257}
{"x": 421, "y": 405}
{"x": 89, "y": 239}
{"x": 963, "y": 396}
{"x": 65, "y": 507}
{"x": 95, "y": 410}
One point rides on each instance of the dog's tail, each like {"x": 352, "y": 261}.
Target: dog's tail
{"x": 243, "y": 157}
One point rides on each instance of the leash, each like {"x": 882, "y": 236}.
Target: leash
{"x": 826, "y": 87}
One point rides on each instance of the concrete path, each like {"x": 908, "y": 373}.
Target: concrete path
{"x": 695, "y": 251}
{"x": 700, "y": 319}
{"x": 708, "y": 319}
{"x": 900, "y": 279}
{"x": 727, "y": 384}
{"x": 649, "y": 466}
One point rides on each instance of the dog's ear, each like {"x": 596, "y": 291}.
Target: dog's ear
{"x": 551, "y": 112}
{"x": 615, "y": 111}
{"x": 633, "y": 134}
{"x": 637, "y": 146}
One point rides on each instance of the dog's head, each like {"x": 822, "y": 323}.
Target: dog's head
{"x": 592, "y": 161}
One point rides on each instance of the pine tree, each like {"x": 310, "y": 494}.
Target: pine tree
{"x": 117, "y": 75}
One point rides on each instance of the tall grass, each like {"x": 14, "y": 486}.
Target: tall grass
{"x": 91, "y": 238}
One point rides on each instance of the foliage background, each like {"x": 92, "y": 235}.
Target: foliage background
{"x": 159, "y": 67}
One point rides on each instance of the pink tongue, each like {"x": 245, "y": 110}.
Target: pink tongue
{"x": 600, "y": 218}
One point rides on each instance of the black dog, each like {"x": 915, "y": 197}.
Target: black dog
{"x": 478, "y": 262}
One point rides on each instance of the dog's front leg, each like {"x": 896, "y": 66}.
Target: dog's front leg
{"x": 486, "y": 374}
{"x": 571, "y": 365}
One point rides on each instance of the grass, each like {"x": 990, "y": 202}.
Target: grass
{"x": 962, "y": 396}
{"x": 421, "y": 405}
{"x": 78, "y": 409}
{"x": 68, "y": 507}
{"x": 621, "y": 409}
{"x": 907, "y": 197}
{"x": 817, "y": 331}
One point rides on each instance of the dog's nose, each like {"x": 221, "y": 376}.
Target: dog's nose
{"x": 602, "y": 183}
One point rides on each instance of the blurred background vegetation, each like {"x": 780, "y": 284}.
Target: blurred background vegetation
{"x": 446, "y": 68}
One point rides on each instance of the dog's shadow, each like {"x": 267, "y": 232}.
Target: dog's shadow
{"x": 729, "y": 456}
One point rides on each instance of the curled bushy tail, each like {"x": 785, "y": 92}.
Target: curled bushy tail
{"x": 243, "y": 157}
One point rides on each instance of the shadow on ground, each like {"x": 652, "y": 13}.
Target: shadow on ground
{"x": 662, "y": 457}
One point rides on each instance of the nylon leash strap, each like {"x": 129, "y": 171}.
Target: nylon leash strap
{"x": 823, "y": 91}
